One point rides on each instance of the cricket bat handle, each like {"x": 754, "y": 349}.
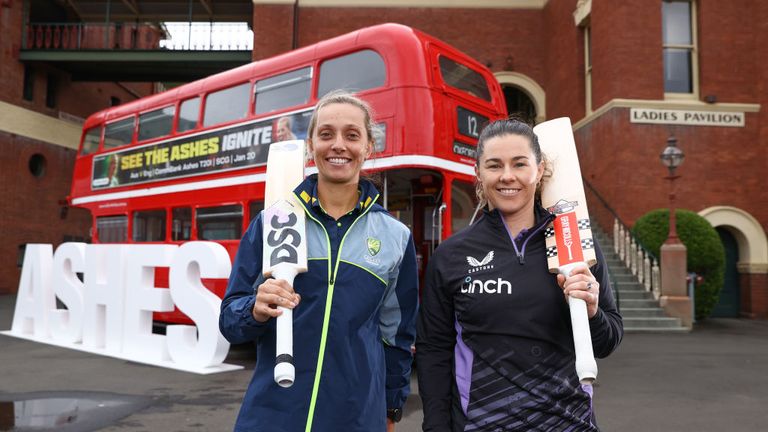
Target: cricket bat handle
{"x": 586, "y": 366}
{"x": 285, "y": 372}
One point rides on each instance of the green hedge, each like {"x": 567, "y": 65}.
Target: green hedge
{"x": 705, "y": 252}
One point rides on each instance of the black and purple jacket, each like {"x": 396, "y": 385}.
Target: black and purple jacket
{"x": 494, "y": 347}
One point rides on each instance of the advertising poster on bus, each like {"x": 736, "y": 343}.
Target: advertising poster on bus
{"x": 242, "y": 146}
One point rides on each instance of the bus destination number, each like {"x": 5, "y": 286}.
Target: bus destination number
{"x": 470, "y": 123}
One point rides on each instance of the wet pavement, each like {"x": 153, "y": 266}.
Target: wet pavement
{"x": 713, "y": 379}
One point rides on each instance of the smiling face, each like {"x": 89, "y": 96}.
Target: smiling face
{"x": 284, "y": 129}
{"x": 509, "y": 173}
{"x": 339, "y": 143}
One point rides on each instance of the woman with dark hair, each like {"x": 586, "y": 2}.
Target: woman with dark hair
{"x": 354, "y": 309}
{"x": 494, "y": 348}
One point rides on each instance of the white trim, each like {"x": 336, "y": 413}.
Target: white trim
{"x": 372, "y": 164}
{"x": 469, "y": 4}
{"x": 530, "y": 87}
{"x": 581, "y": 14}
{"x": 749, "y": 234}
{"x": 665, "y": 104}
{"x": 694, "y": 48}
{"x": 40, "y": 127}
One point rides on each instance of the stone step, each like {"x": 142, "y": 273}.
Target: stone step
{"x": 663, "y": 330}
{"x": 651, "y": 322}
{"x": 636, "y": 303}
{"x": 629, "y": 286}
{"x": 624, "y": 277}
{"x": 634, "y": 295}
{"x": 621, "y": 271}
{"x": 642, "y": 312}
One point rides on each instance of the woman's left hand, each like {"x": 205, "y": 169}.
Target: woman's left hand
{"x": 581, "y": 284}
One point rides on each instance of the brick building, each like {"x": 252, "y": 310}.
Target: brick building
{"x": 628, "y": 74}
{"x": 41, "y": 111}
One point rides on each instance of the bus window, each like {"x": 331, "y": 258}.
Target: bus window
{"x": 181, "y": 225}
{"x": 149, "y": 226}
{"x": 118, "y": 133}
{"x": 283, "y": 91}
{"x": 463, "y": 204}
{"x": 463, "y": 78}
{"x": 220, "y": 223}
{"x": 112, "y": 229}
{"x": 226, "y": 105}
{"x": 254, "y": 207}
{"x": 91, "y": 140}
{"x": 188, "y": 113}
{"x": 354, "y": 72}
{"x": 156, "y": 124}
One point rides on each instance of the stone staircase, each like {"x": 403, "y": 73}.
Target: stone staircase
{"x": 640, "y": 312}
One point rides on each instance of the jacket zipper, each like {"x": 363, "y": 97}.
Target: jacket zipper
{"x": 521, "y": 252}
{"x": 328, "y": 302}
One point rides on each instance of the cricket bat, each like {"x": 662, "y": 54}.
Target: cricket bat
{"x": 285, "y": 240}
{"x": 569, "y": 239}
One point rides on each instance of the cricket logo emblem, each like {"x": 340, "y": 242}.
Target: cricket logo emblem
{"x": 374, "y": 245}
{"x": 563, "y": 206}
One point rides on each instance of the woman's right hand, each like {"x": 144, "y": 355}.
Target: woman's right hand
{"x": 271, "y": 294}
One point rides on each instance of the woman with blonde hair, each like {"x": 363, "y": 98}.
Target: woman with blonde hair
{"x": 354, "y": 310}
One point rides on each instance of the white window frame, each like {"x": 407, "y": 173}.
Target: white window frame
{"x": 587, "y": 69}
{"x": 693, "y": 47}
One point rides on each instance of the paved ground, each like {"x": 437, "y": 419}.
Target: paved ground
{"x": 713, "y": 379}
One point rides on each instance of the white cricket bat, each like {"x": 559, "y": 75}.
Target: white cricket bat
{"x": 285, "y": 240}
{"x": 569, "y": 238}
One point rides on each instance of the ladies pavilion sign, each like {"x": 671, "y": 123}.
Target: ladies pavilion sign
{"x": 686, "y": 117}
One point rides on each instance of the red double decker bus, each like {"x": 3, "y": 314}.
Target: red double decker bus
{"x": 189, "y": 163}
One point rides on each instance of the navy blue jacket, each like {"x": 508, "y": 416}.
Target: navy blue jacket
{"x": 353, "y": 329}
{"x": 495, "y": 345}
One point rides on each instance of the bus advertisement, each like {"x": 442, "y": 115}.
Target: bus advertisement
{"x": 188, "y": 164}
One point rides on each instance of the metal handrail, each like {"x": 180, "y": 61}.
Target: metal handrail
{"x": 642, "y": 263}
{"x": 129, "y": 35}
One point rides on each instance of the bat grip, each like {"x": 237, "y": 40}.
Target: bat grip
{"x": 285, "y": 372}
{"x": 586, "y": 366}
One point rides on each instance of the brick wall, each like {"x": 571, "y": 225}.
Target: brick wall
{"x": 626, "y": 51}
{"x": 489, "y": 35}
{"x": 31, "y": 212}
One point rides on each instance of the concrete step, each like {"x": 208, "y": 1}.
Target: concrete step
{"x": 624, "y": 277}
{"x": 642, "y": 312}
{"x": 634, "y": 295}
{"x": 629, "y": 286}
{"x": 651, "y": 322}
{"x": 636, "y": 303}
{"x": 661, "y": 330}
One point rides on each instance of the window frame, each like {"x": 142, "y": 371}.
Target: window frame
{"x": 255, "y": 90}
{"x": 458, "y": 90}
{"x": 106, "y": 125}
{"x": 692, "y": 48}
{"x": 588, "y": 68}
{"x": 170, "y": 132}
{"x": 359, "y": 50}
{"x": 205, "y": 101}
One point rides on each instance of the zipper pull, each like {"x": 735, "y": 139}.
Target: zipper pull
{"x": 520, "y": 258}
{"x": 331, "y": 281}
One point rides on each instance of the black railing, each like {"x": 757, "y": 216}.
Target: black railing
{"x": 195, "y": 36}
{"x": 643, "y": 264}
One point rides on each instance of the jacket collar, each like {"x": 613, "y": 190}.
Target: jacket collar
{"x": 307, "y": 191}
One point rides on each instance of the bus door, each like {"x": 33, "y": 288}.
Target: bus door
{"x": 413, "y": 197}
